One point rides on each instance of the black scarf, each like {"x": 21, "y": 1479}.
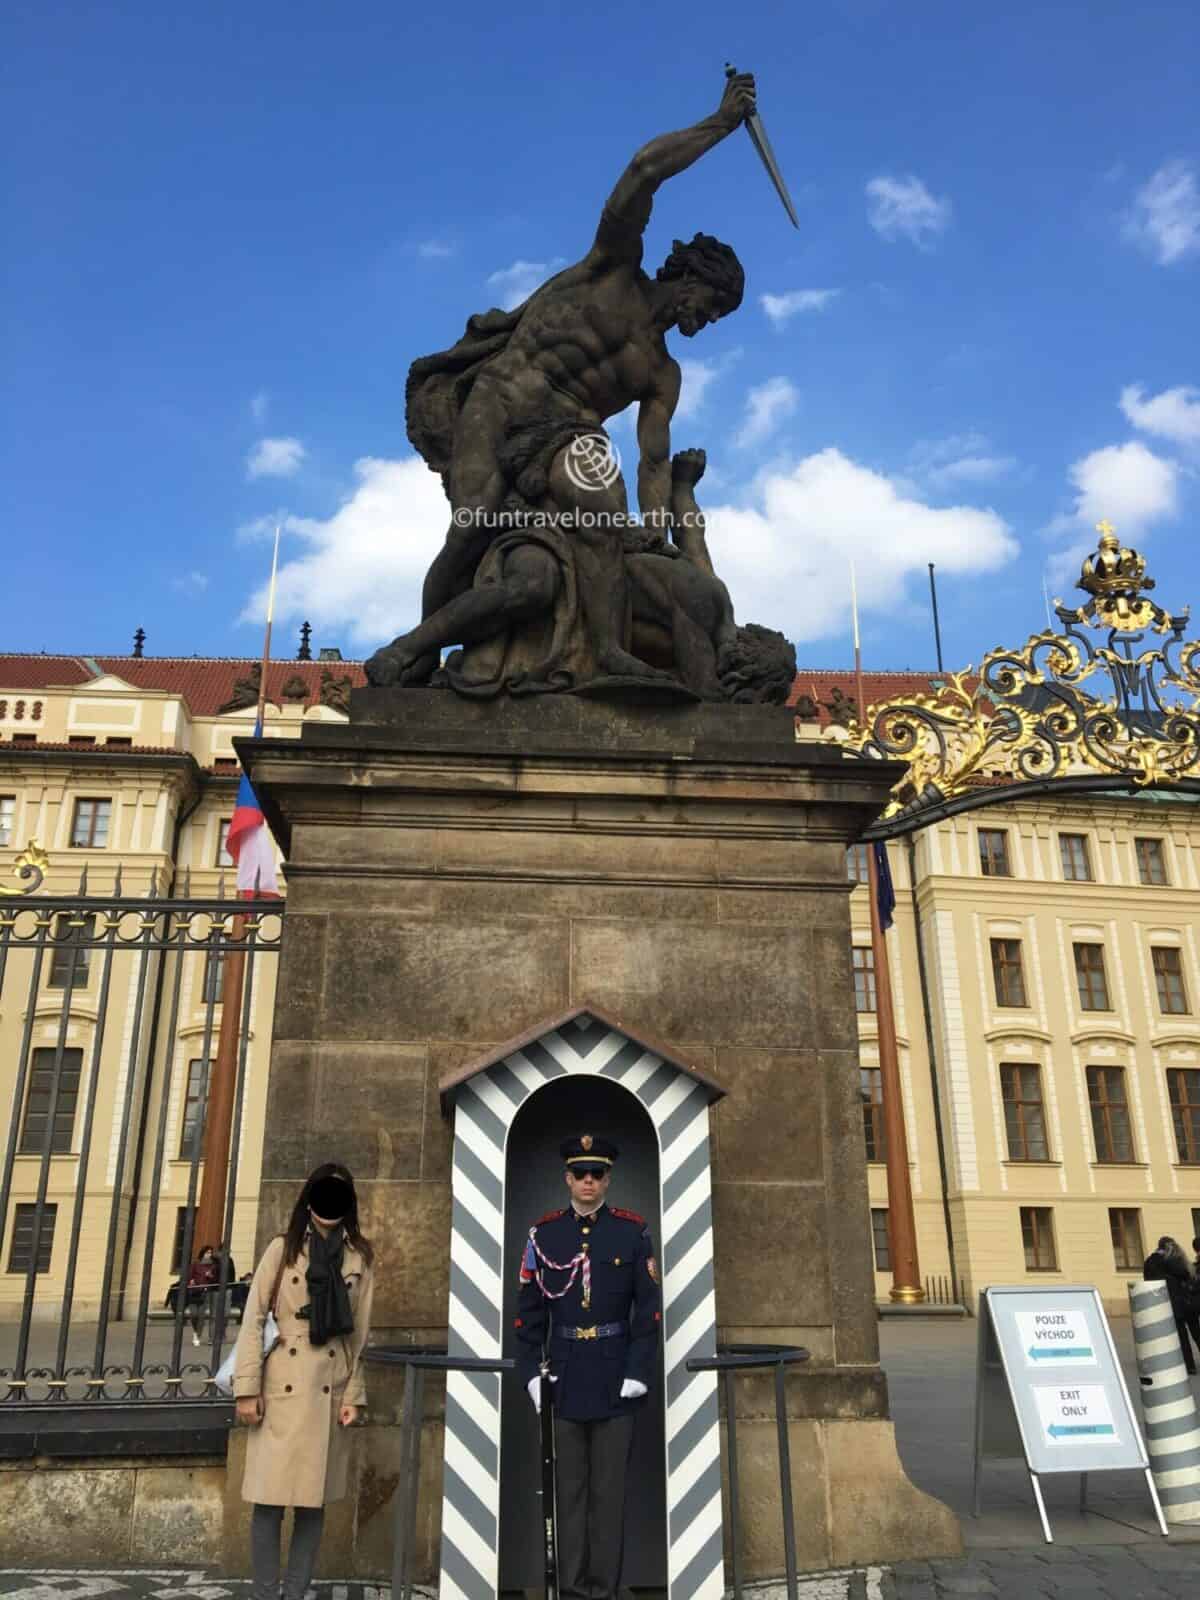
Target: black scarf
{"x": 329, "y": 1312}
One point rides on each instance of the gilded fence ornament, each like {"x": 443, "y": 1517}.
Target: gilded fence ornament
{"x": 1105, "y": 698}
{"x": 30, "y": 867}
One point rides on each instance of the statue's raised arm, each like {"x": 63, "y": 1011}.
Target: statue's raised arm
{"x": 627, "y": 209}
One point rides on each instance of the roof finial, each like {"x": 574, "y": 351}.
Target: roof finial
{"x": 305, "y": 651}
{"x": 139, "y": 639}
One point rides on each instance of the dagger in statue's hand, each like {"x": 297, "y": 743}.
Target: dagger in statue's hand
{"x": 758, "y": 137}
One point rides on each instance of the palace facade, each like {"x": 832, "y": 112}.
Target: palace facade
{"x": 1045, "y": 969}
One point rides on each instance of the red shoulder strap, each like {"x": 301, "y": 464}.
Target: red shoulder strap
{"x": 550, "y": 1216}
{"x": 628, "y": 1216}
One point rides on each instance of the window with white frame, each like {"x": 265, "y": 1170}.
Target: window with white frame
{"x": 89, "y": 825}
{"x": 1076, "y": 861}
{"x": 1151, "y": 862}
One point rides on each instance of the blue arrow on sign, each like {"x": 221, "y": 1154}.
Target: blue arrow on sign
{"x": 1062, "y": 1431}
{"x": 1059, "y": 1352}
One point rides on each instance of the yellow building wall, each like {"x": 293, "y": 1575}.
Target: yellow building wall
{"x": 166, "y": 811}
{"x": 961, "y": 911}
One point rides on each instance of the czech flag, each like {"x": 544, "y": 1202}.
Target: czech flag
{"x": 249, "y": 841}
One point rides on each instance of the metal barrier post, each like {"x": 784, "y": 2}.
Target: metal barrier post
{"x": 735, "y": 1514}
{"x": 416, "y": 1362}
{"x": 410, "y": 1445}
{"x": 785, "y": 1479}
{"x": 727, "y": 1362}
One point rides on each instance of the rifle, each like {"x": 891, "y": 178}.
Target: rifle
{"x": 549, "y": 1539}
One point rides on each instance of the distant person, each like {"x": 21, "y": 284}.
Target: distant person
{"x": 299, "y": 1396}
{"x": 202, "y": 1275}
{"x": 1168, "y": 1264}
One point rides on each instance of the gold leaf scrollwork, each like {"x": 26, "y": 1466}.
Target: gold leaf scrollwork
{"x": 30, "y": 867}
{"x": 1088, "y": 701}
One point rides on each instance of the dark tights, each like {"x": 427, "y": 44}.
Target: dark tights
{"x": 266, "y": 1528}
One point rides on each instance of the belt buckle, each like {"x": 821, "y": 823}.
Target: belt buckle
{"x": 585, "y": 1333}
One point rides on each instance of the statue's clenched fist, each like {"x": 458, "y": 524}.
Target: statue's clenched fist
{"x": 738, "y": 101}
{"x": 687, "y": 466}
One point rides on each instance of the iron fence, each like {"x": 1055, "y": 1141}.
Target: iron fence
{"x": 942, "y": 1289}
{"x": 110, "y": 1007}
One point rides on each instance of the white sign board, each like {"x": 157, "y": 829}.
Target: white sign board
{"x": 1056, "y": 1336}
{"x": 1075, "y": 1414}
{"x": 1049, "y": 1386}
{"x": 1064, "y": 1379}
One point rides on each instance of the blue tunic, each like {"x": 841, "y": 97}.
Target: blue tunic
{"x": 624, "y": 1289}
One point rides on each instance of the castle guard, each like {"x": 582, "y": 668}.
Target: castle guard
{"x": 589, "y": 1313}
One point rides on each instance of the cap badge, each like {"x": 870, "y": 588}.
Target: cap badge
{"x": 586, "y": 1141}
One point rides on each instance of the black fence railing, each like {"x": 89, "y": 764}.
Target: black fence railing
{"x": 729, "y": 1361}
{"x": 416, "y": 1360}
{"x": 942, "y": 1289}
{"x": 110, "y": 1010}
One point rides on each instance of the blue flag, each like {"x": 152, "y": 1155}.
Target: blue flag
{"x": 886, "y": 898}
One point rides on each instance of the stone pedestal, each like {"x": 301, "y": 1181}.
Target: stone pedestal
{"x": 458, "y": 872}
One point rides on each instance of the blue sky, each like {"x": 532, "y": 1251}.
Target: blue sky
{"x": 230, "y": 228}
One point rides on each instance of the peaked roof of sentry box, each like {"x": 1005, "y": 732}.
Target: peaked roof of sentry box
{"x": 450, "y": 1085}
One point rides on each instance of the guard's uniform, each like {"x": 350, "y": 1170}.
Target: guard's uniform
{"x": 590, "y": 1294}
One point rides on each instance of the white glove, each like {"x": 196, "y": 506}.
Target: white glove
{"x": 535, "y": 1392}
{"x": 631, "y": 1389}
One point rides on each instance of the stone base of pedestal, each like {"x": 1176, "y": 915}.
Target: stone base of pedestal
{"x": 460, "y": 872}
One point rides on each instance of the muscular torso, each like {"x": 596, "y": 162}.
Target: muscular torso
{"x": 586, "y": 345}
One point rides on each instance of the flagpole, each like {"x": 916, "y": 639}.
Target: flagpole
{"x": 902, "y": 1227}
{"x": 266, "y": 655}
{"x": 212, "y": 1225}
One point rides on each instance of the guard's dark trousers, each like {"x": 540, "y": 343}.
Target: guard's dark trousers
{"x": 593, "y": 1463}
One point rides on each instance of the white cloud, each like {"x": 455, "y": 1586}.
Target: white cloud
{"x": 434, "y": 249}
{"x": 781, "y": 308}
{"x": 1165, "y": 219}
{"x": 191, "y": 582}
{"x": 259, "y": 404}
{"x": 766, "y": 407}
{"x": 1174, "y": 414}
{"x": 808, "y": 521}
{"x": 904, "y": 208}
{"x": 1126, "y": 484}
{"x": 275, "y": 458}
{"x": 517, "y": 283}
{"x": 959, "y": 459}
{"x": 361, "y": 569}
{"x": 970, "y": 469}
{"x": 696, "y": 376}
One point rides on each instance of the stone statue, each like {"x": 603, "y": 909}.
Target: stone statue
{"x": 545, "y": 580}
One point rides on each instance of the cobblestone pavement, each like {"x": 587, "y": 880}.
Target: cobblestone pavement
{"x": 1054, "y": 1572}
{"x": 1093, "y": 1572}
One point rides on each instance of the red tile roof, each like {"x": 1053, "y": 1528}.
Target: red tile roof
{"x": 39, "y": 672}
{"x": 832, "y": 689}
{"x": 100, "y": 749}
{"x": 206, "y": 683}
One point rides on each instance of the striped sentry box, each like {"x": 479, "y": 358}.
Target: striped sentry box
{"x": 1168, "y": 1405}
{"x": 486, "y": 1098}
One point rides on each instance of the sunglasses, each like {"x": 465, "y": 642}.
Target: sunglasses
{"x": 589, "y": 1172}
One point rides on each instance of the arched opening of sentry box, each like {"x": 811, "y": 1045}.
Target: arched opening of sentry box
{"x": 574, "y": 1103}
{"x": 511, "y": 1110}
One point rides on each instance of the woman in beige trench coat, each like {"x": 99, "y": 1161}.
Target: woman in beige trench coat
{"x": 300, "y": 1396}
